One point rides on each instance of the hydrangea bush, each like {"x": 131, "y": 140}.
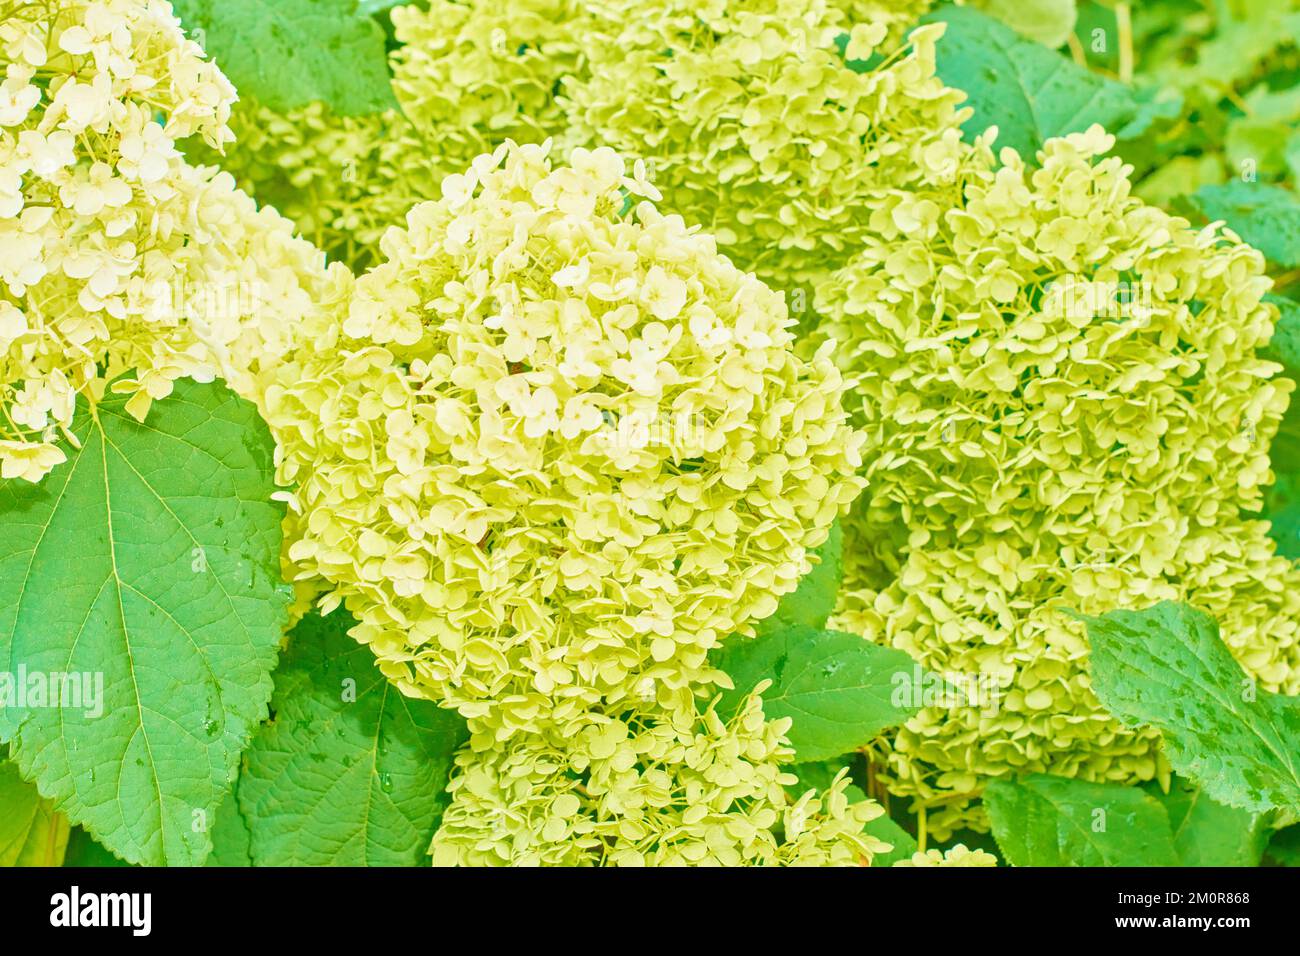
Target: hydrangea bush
{"x": 648, "y": 434}
{"x": 1065, "y": 411}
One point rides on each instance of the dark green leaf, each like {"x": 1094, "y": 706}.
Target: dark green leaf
{"x": 1207, "y": 833}
{"x": 350, "y": 772}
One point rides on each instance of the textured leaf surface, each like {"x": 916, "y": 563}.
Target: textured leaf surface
{"x": 1030, "y": 93}
{"x": 811, "y": 604}
{"x": 350, "y": 772}
{"x": 32, "y": 832}
{"x": 839, "y": 689}
{"x": 1041, "y": 820}
{"x": 1267, "y": 217}
{"x": 151, "y": 558}
{"x": 1206, "y": 833}
{"x": 287, "y": 53}
{"x": 1168, "y": 668}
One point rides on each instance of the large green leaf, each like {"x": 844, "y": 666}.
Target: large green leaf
{"x": 32, "y": 832}
{"x": 1167, "y": 667}
{"x": 1041, "y": 820}
{"x": 287, "y": 53}
{"x": 811, "y": 604}
{"x": 841, "y": 690}
{"x": 1267, "y": 217}
{"x": 1206, "y": 833}
{"x": 1030, "y": 93}
{"x": 148, "y": 565}
{"x": 350, "y": 772}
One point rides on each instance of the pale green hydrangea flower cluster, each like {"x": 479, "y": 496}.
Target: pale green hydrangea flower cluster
{"x": 342, "y": 180}
{"x": 557, "y": 451}
{"x": 750, "y": 120}
{"x": 650, "y": 787}
{"x": 1065, "y": 410}
{"x": 467, "y": 78}
{"x": 959, "y": 855}
{"x": 757, "y": 127}
{"x": 120, "y": 262}
{"x": 896, "y": 16}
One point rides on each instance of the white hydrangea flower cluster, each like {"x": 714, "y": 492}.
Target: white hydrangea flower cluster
{"x": 119, "y": 262}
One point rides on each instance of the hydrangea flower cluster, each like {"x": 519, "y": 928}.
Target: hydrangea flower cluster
{"x": 342, "y": 180}
{"x": 555, "y": 453}
{"x": 756, "y": 126}
{"x": 467, "y": 77}
{"x": 748, "y": 116}
{"x": 1065, "y": 410}
{"x": 558, "y": 449}
{"x": 120, "y": 262}
{"x": 896, "y": 16}
{"x": 649, "y": 788}
{"x": 959, "y": 855}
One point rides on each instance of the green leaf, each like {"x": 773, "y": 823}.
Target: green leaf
{"x": 812, "y": 603}
{"x": 903, "y": 843}
{"x": 1167, "y": 667}
{"x": 1282, "y": 498}
{"x": 231, "y": 837}
{"x": 1284, "y": 850}
{"x": 1042, "y": 820}
{"x": 85, "y": 851}
{"x": 1049, "y": 22}
{"x": 1029, "y": 92}
{"x": 148, "y": 567}
{"x": 32, "y": 832}
{"x": 840, "y": 689}
{"x": 1284, "y": 346}
{"x": 1267, "y": 217}
{"x": 287, "y": 53}
{"x": 1206, "y": 833}
{"x": 350, "y": 772}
